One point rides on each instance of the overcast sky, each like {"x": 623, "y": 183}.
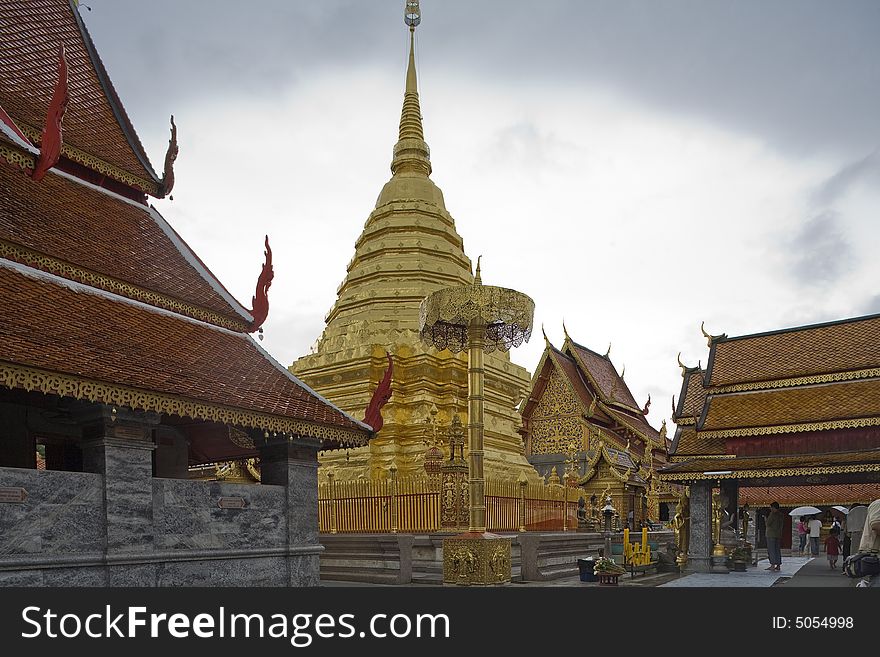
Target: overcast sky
{"x": 635, "y": 167}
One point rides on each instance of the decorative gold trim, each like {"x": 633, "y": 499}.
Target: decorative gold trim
{"x": 686, "y": 421}
{"x": 109, "y": 284}
{"x": 65, "y": 385}
{"x": 18, "y": 157}
{"x": 796, "y": 381}
{"x": 95, "y": 163}
{"x": 781, "y": 472}
{"x": 691, "y": 457}
{"x": 793, "y": 428}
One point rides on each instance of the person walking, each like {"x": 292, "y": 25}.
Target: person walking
{"x": 802, "y": 533}
{"x": 773, "y": 528}
{"x": 832, "y": 547}
{"x": 815, "y": 527}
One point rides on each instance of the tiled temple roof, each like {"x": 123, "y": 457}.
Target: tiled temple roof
{"x": 95, "y": 123}
{"x": 71, "y": 339}
{"x": 66, "y": 225}
{"x": 841, "y": 346}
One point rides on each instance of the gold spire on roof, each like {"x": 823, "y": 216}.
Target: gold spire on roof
{"x": 478, "y": 280}
{"x": 411, "y": 153}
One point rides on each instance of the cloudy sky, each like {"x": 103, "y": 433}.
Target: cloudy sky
{"x": 635, "y": 167}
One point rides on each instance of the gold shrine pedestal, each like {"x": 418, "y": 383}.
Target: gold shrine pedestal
{"x": 478, "y": 319}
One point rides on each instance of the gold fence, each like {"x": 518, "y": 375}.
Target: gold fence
{"x": 414, "y": 506}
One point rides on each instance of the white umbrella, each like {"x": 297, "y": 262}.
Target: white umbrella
{"x": 804, "y": 511}
{"x": 842, "y": 509}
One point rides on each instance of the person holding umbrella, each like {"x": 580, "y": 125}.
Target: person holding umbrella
{"x": 815, "y": 526}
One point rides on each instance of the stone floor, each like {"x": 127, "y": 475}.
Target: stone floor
{"x": 796, "y": 571}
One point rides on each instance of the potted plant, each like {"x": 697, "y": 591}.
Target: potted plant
{"x": 607, "y": 571}
{"x": 740, "y": 556}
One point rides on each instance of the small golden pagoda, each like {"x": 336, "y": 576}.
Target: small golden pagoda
{"x": 408, "y": 249}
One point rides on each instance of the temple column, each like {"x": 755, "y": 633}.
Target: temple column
{"x": 118, "y": 444}
{"x": 700, "y": 541}
{"x": 293, "y": 464}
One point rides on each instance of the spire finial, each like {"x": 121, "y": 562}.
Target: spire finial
{"x": 608, "y": 351}
{"x": 478, "y": 279}
{"x": 411, "y": 154}
{"x": 544, "y": 333}
{"x": 565, "y": 330}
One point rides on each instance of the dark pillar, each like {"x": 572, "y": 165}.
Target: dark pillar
{"x": 293, "y": 464}
{"x": 119, "y": 446}
{"x": 700, "y": 542}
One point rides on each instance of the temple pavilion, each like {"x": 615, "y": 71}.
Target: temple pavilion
{"x": 124, "y": 361}
{"x": 408, "y": 249}
{"x": 791, "y": 415}
{"x": 581, "y": 425}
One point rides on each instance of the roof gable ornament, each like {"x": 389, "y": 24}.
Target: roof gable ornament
{"x": 647, "y": 405}
{"x": 608, "y": 351}
{"x": 710, "y": 338}
{"x": 684, "y": 368}
{"x": 50, "y": 143}
{"x": 260, "y": 301}
{"x": 170, "y": 157}
{"x": 381, "y": 395}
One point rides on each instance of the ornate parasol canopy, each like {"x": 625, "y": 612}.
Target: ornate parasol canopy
{"x": 502, "y": 316}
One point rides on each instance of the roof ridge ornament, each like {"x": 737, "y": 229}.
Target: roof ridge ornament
{"x": 647, "y": 405}
{"x": 684, "y": 368}
{"x": 608, "y": 351}
{"x": 710, "y": 338}
{"x": 170, "y": 157}
{"x": 381, "y": 395}
{"x": 52, "y": 138}
{"x": 260, "y": 301}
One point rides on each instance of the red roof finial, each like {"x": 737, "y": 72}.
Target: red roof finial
{"x": 261, "y": 298}
{"x": 50, "y": 144}
{"x": 373, "y": 416}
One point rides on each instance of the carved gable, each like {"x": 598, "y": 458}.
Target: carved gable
{"x": 557, "y": 418}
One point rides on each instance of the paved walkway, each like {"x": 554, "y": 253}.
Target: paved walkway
{"x": 755, "y": 576}
{"x": 818, "y": 573}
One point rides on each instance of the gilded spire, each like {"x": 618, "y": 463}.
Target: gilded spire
{"x": 478, "y": 280}
{"x": 411, "y": 153}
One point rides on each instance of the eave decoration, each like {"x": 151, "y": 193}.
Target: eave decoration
{"x": 170, "y": 157}
{"x": 261, "y": 299}
{"x": 50, "y": 143}
{"x": 647, "y": 406}
{"x": 382, "y": 394}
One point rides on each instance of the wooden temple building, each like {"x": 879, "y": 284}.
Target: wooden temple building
{"x": 409, "y": 248}
{"x": 791, "y": 416}
{"x": 124, "y": 360}
{"x": 581, "y": 425}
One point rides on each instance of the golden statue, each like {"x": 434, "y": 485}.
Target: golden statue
{"x": 681, "y": 523}
{"x": 717, "y": 516}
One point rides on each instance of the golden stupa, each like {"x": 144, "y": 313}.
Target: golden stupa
{"x": 408, "y": 249}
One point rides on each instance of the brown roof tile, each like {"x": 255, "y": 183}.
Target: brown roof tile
{"x": 100, "y": 233}
{"x": 804, "y": 404}
{"x": 53, "y": 325}
{"x": 690, "y": 442}
{"x": 820, "y": 349}
{"x": 746, "y": 463}
{"x": 95, "y": 121}
{"x": 611, "y": 385}
{"x": 818, "y": 495}
{"x": 692, "y": 396}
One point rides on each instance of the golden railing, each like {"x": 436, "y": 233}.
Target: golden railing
{"x": 414, "y": 505}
